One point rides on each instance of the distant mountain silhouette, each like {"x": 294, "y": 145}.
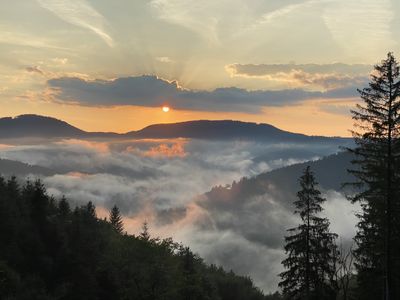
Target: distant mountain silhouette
{"x": 36, "y": 126}
{"x": 29, "y": 126}
{"x": 11, "y": 167}
{"x": 226, "y": 130}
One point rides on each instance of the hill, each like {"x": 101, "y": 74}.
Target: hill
{"x": 36, "y": 126}
{"x": 227, "y": 130}
{"x": 11, "y": 167}
{"x": 30, "y": 126}
{"x": 330, "y": 172}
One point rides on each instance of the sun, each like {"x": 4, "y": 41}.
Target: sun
{"x": 165, "y": 109}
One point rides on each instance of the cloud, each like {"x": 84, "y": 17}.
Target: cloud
{"x": 200, "y": 17}
{"x": 9, "y": 36}
{"x": 60, "y": 61}
{"x": 358, "y": 26}
{"x": 164, "y": 59}
{"x": 34, "y": 69}
{"x": 152, "y": 91}
{"x": 285, "y": 10}
{"x": 325, "y": 76}
{"x": 165, "y": 150}
{"x": 79, "y": 13}
{"x": 211, "y": 20}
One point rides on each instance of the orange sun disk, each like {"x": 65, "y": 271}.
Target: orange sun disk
{"x": 165, "y": 109}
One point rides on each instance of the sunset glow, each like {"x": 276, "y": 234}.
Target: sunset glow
{"x": 206, "y": 63}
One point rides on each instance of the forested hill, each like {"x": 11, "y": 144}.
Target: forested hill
{"x": 331, "y": 173}
{"x": 52, "y": 251}
{"x": 35, "y": 126}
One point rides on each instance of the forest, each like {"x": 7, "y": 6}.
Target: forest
{"x": 52, "y": 251}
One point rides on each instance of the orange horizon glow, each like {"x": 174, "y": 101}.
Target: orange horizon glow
{"x": 306, "y": 117}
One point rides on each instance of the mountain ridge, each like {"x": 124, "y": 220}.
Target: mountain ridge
{"x": 31, "y": 125}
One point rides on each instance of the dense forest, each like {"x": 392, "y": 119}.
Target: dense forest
{"x": 52, "y": 251}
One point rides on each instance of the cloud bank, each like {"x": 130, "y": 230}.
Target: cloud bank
{"x": 152, "y": 91}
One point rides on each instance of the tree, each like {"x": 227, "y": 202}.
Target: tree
{"x": 63, "y": 207}
{"x": 144, "y": 234}
{"x": 310, "y": 248}
{"x": 116, "y": 219}
{"x": 344, "y": 271}
{"x": 377, "y": 171}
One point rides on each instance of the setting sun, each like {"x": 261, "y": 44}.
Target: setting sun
{"x": 165, "y": 109}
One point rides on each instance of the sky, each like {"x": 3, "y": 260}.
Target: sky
{"x": 111, "y": 65}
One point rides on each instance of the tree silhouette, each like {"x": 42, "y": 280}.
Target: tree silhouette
{"x": 377, "y": 170}
{"x": 145, "y": 234}
{"x": 116, "y": 219}
{"x": 310, "y": 248}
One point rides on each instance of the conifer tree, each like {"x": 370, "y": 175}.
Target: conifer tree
{"x": 377, "y": 165}
{"x": 63, "y": 207}
{"x": 144, "y": 234}
{"x": 311, "y": 249}
{"x": 90, "y": 210}
{"x": 116, "y": 219}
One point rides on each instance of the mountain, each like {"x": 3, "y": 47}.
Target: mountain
{"x": 11, "y": 167}
{"x": 330, "y": 172}
{"x": 227, "y": 130}
{"x": 36, "y": 126}
{"x": 31, "y": 126}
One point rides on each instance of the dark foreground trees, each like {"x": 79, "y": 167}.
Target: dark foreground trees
{"x": 377, "y": 168}
{"x": 311, "y": 249}
{"x": 49, "y": 250}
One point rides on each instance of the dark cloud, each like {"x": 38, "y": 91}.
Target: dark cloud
{"x": 327, "y": 76}
{"x": 152, "y": 91}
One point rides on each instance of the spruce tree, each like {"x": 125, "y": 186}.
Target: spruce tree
{"x": 63, "y": 207}
{"x": 311, "y": 249}
{"x": 145, "y": 234}
{"x": 377, "y": 154}
{"x": 116, "y": 219}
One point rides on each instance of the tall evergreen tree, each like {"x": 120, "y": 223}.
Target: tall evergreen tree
{"x": 310, "y": 248}
{"x": 377, "y": 164}
{"x": 116, "y": 219}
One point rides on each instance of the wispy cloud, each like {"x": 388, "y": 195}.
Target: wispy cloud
{"x": 319, "y": 76}
{"x": 193, "y": 15}
{"x": 8, "y": 36}
{"x": 360, "y": 25}
{"x": 79, "y": 13}
{"x": 286, "y": 10}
